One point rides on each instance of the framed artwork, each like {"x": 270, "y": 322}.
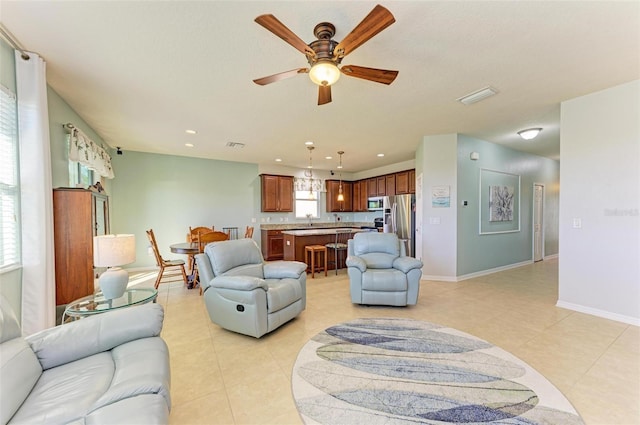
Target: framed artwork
{"x": 499, "y": 202}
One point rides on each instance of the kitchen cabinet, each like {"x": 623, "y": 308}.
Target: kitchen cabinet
{"x": 272, "y": 242}
{"x": 276, "y": 193}
{"x": 390, "y": 184}
{"x": 412, "y": 181}
{"x": 402, "y": 183}
{"x": 78, "y": 216}
{"x": 382, "y": 185}
{"x": 372, "y": 187}
{"x": 332, "y": 203}
{"x": 360, "y": 196}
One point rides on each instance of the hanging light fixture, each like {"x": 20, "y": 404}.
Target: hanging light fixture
{"x": 310, "y": 173}
{"x": 340, "y": 194}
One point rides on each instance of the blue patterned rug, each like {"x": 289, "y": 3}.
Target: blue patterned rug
{"x": 401, "y": 371}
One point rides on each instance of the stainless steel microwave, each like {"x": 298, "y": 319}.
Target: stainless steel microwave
{"x": 375, "y": 204}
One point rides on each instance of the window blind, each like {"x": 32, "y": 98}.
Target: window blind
{"x": 9, "y": 182}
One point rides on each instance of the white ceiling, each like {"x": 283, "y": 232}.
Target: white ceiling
{"x": 142, "y": 72}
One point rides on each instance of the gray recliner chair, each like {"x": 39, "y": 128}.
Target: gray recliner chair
{"x": 245, "y": 294}
{"x": 108, "y": 368}
{"x": 379, "y": 271}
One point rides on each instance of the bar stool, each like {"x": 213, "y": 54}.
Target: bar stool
{"x": 313, "y": 250}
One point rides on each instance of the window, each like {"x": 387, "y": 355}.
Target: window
{"x": 307, "y": 204}
{"x": 79, "y": 174}
{"x": 9, "y": 183}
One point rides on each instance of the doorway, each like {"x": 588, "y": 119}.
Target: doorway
{"x": 538, "y": 222}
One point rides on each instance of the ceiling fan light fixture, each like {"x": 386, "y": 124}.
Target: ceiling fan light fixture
{"x": 529, "y": 133}
{"x": 324, "y": 73}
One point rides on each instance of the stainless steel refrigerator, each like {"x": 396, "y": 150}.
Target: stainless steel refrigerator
{"x": 400, "y": 218}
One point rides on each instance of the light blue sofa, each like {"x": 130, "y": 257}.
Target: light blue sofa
{"x": 379, "y": 271}
{"x": 245, "y": 294}
{"x": 109, "y": 368}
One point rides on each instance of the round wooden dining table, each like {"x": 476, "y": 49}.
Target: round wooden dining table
{"x": 190, "y": 249}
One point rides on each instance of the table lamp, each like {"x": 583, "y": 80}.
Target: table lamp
{"x": 112, "y": 251}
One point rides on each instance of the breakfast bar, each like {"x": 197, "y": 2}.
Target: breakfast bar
{"x": 296, "y": 240}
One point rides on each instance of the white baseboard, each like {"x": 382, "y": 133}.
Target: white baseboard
{"x": 475, "y": 274}
{"x": 550, "y": 257}
{"x": 599, "y": 313}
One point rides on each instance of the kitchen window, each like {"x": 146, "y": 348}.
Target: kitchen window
{"x": 307, "y": 204}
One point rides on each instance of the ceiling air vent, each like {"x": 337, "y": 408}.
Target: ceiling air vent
{"x": 477, "y": 96}
{"x": 235, "y": 145}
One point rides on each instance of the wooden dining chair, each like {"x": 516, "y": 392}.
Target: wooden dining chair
{"x": 170, "y": 270}
{"x": 206, "y": 238}
{"x": 193, "y": 236}
{"x": 248, "y": 233}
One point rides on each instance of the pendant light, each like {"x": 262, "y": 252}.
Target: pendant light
{"x": 340, "y": 194}
{"x": 310, "y": 174}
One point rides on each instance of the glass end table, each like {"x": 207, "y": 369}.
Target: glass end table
{"x": 97, "y": 303}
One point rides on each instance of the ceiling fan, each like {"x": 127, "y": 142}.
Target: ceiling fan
{"x": 325, "y": 54}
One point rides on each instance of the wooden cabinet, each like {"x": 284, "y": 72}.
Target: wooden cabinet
{"x": 332, "y": 203}
{"x": 372, "y": 187}
{"x": 272, "y": 244}
{"x": 276, "y": 193}
{"x": 381, "y": 183}
{"x": 360, "y": 196}
{"x": 402, "y": 183}
{"x": 390, "y": 184}
{"x": 412, "y": 181}
{"x": 78, "y": 216}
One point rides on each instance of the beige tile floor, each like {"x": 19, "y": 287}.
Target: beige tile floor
{"x": 219, "y": 377}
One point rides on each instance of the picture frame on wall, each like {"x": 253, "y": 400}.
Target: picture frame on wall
{"x": 499, "y": 202}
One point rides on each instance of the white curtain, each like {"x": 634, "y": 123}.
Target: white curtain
{"x": 87, "y": 152}
{"x": 36, "y": 196}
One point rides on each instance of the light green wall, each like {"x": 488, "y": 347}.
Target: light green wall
{"x": 60, "y": 113}
{"x": 170, "y": 193}
{"x": 484, "y": 252}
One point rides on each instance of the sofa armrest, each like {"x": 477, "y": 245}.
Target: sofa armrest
{"x": 405, "y": 264}
{"x": 283, "y": 269}
{"x": 239, "y": 283}
{"x": 205, "y": 271}
{"x": 357, "y": 262}
{"x": 95, "y": 334}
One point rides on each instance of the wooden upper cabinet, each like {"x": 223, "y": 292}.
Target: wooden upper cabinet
{"x": 402, "y": 183}
{"x": 332, "y": 203}
{"x": 360, "y": 195}
{"x": 412, "y": 181}
{"x": 382, "y": 186}
{"x": 372, "y": 187}
{"x": 390, "y": 184}
{"x": 276, "y": 193}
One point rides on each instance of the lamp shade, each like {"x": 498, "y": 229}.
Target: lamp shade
{"x": 114, "y": 250}
{"x": 324, "y": 73}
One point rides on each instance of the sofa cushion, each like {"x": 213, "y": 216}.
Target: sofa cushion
{"x": 387, "y": 280}
{"x": 282, "y": 292}
{"x": 367, "y": 242}
{"x": 227, "y": 255}
{"x": 378, "y": 260}
{"x": 67, "y": 392}
{"x": 15, "y": 355}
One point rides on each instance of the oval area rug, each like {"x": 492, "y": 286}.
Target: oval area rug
{"x": 403, "y": 371}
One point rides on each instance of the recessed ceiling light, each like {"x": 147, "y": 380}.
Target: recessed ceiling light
{"x": 308, "y": 143}
{"x": 191, "y": 132}
{"x": 328, "y": 157}
{"x": 478, "y": 95}
{"x": 189, "y": 145}
{"x": 529, "y": 133}
{"x": 380, "y": 155}
{"x": 278, "y": 160}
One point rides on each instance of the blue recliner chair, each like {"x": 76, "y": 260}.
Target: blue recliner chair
{"x": 245, "y": 294}
{"x": 379, "y": 271}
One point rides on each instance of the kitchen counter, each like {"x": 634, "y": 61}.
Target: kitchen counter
{"x": 296, "y": 240}
{"x": 312, "y": 232}
{"x": 316, "y": 225}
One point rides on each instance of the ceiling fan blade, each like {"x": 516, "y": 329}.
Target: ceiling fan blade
{"x": 377, "y": 20}
{"x": 281, "y": 76}
{"x": 272, "y": 23}
{"x": 383, "y": 76}
{"x": 324, "y": 94}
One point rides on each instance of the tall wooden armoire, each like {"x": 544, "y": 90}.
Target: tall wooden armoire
{"x": 78, "y": 216}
